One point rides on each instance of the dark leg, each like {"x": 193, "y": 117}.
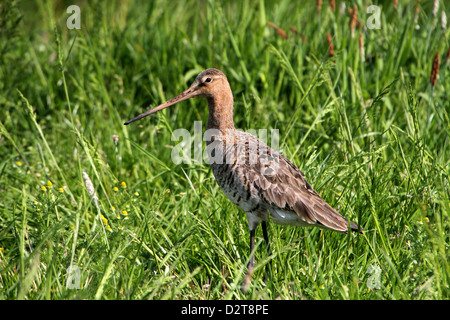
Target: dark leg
{"x": 266, "y": 236}
{"x": 251, "y": 263}
{"x": 266, "y": 239}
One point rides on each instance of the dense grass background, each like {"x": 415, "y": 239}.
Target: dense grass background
{"x": 370, "y": 132}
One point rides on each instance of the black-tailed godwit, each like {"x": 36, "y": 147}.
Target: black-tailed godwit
{"x": 258, "y": 179}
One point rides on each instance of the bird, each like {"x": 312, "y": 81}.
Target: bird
{"x": 261, "y": 181}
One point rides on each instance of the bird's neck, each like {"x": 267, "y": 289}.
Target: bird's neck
{"x": 221, "y": 111}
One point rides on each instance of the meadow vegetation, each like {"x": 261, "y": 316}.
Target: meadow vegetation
{"x": 358, "y": 111}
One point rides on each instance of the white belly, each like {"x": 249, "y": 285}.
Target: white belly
{"x": 276, "y": 216}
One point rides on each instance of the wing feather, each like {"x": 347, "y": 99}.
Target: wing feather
{"x": 286, "y": 189}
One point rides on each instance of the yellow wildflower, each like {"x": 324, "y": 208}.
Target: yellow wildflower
{"x": 125, "y": 212}
{"x": 49, "y": 184}
{"x": 123, "y": 184}
{"x": 115, "y": 189}
{"x": 43, "y": 188}
{"x": 19, "y": 163}
{"x": 108, "y": 227}
{"x": 61, "y": 190}
{"x": 105, "y": 221}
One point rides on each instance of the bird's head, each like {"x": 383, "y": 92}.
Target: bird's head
{"x": 207, "y": 84}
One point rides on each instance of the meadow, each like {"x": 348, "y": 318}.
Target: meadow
{"x": 93, "y": 209}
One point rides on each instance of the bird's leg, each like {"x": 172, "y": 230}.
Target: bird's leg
{"x": 251, "y": 262}
{"x": 266, "y": 239}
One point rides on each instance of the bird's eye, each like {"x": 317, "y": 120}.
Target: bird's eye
{"x": 208, "y": 80}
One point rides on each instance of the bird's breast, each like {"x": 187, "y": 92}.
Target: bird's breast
{"x": 233, "y": 159}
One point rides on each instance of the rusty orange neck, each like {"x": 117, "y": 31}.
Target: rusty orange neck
{"x": 220, "y": 111}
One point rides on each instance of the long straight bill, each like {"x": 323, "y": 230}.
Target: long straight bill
{"x": 189, "y": 93}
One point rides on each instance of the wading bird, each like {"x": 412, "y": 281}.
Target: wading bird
{"x": 256, "y": 178}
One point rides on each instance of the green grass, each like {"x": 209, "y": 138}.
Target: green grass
{"x": 371, "y": 136}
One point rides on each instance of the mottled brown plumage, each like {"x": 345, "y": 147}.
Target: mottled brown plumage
{"x": 258, "y": 179}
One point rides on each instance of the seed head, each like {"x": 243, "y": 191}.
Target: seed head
{"x": 435, "y": 70}
{"x": 332, "y": 5}
{"x": 330, "y": 45}
{"x": 353, "y": 20}
{"x": 443, "y": 20}
{"x": 90, "y": 189}
{"x": 435, "y": 7}
{"x": 361, "y": 47}
{"x": 319, "y": 5}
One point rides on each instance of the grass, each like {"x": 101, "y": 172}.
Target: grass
{"x": 371, "y": 135}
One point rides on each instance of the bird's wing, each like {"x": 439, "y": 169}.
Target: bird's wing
{"x": 282, "y": 185}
